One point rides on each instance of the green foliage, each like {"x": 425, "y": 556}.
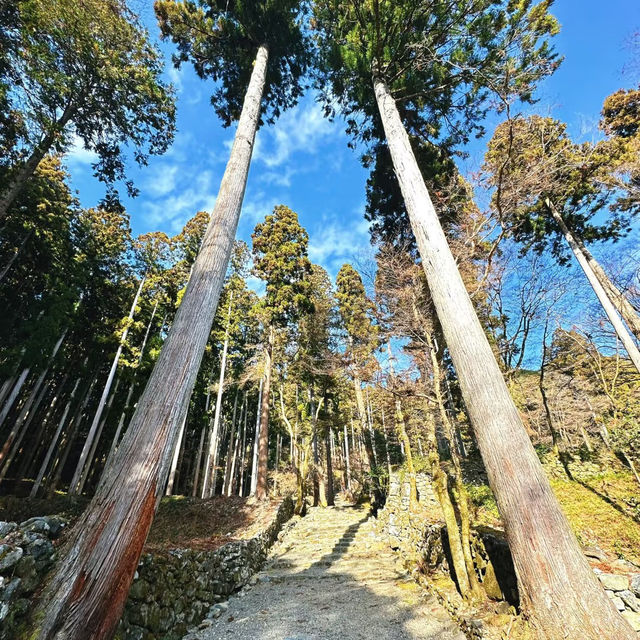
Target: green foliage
{"x": 280, "y": 260}
{"x": 532, "y": 160}
{"x": 221, "y": 39}
{"x": 356, "y": 312}
{"x": 91, "y": 64}
{"x": 440, "y": 60}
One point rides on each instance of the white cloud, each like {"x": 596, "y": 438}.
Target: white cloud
{"x": 78, "y": 154}
{"x": 161, "y": 180}
{"x": 300, "y": 129}
{"x": 176, "y": 209}
{"x": 336, "y": 241}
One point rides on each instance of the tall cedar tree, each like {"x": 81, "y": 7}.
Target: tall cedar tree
{"x": 547, "y": 192}
{"x": 280, "y": 259}
{"x": 81, "y": 67}
{"x": 356, "y": 312}
{"x": 86, "y": 596}
{"x": 438, "y": 60}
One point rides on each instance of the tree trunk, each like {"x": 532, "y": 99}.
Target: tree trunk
{"x": 196, "y": 473}
{"x": 606, "y": 302}
{"x": 86, "y": 595}
{"x": 72, "y": 430}
{"x": 243, "y": 450}
{"x": 75, "y": 487}
{"x": 14, "y": 394}
{"x": 404, "y": 438}
{"x": 263, "y": 439}
{"x": 226, "y": 482}
{"x": 54, "y": 442}
{"x": 15, "y": 431}
{"x": 368, "y": 445}
{"x": 209, "y": 483}
{"x": 174, "y": 460}
{"x": 256, "y": 436}
{"x": 347, "y": 461}
{"x": 327, "y": 445}
{"x": 25, "y": 172}
{"x": 558, "y": 588}
{"x": 625, "y": 308}
{"x": 16, "y": 253}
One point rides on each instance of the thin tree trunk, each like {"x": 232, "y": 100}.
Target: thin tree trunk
{"x": 31, "y": 407}
{"x": 244, "y": 447}
{"x": 346, "y": 457}
{"x": 256, "y": 436}
{"x": 16, "y": 431}
{"x": 263, "y": 439}
{"x": 558, "y": 588}
{"x": 70, "y": 436}
{"x": 174, "y": 459}
{"x": 25, "y": 172}
{"x": 368, "y": 444}
{"x": 196, "y": 474}
{"x": 90, "y": 458}
{"x": 625, "y": 308}
{"x": 54, "y": 442}
{"x": 606, "y": 302}
{"x": 211, "y": 461}
{"x": 16, "y": 253}
{"x": 228, "y": 467}
{"x": 327, "y": 445}
{"x": 13, "y": 395}
{"x": 404, "y": 438}
{"x": 74, "y": 487}
{"x": 86, "y": 595}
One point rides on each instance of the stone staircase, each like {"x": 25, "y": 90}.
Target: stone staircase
{"x": 329, "y": 578}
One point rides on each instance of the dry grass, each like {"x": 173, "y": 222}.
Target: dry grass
{"x": 207, "y": 524}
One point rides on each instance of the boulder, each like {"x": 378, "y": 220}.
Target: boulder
{"x": 9, "y": 556}
{"x": 614, "y": 581}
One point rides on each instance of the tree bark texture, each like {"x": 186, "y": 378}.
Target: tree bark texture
{"x": 76, "y": 481}
{"x": 559, "y": 591}
{"x": 86, "y": 596}
{"x": 263, "y": 437}
{"x": 604, "y": 299}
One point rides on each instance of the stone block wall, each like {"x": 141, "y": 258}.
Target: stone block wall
{"x": 176, "y": 590}
{"x": 170, "y": 592}
{"x": 27, "y": 553}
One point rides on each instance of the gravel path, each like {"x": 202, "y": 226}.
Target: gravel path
{"x": 328, "y": 579}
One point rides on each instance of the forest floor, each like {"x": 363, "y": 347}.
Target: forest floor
{"x": 602, "y": 503}
{"x": 330, "y": 579}
{"x": 181, "y": 522}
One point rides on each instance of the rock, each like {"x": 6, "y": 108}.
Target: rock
{"x": 205, "y": 624}
{"x": 490, "y": 584}
{"x": 633, "y": 619}
{"x": 595, "y": 552}
{"x": 4, "y": 610}
{"x": 9, "y": 556}
{"x": 12, "y": 589}
{"x": 35, "y": 525}
{"x": 6, "y": 528}
{"x": 139, "y": 590}
{"x": 40, "y": 548}
{"x": 614, "y": 581}
{"x": 618, "y": 603}
{"x": 635, "y": 584}
{"x": 630, "y": 600}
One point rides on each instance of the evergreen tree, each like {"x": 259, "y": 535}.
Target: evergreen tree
{"x": 437, "y": 60}
{"x": 280, "y": 259}
{"x": 145, "y": 451}
{"x": 84, "y": 68}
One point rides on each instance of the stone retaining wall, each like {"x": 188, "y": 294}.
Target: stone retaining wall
{"x": 27, "y": 553}
{"x": 170, "y": 592}
{"x": 174, "y": 591}
{"x": 421, "y": 536}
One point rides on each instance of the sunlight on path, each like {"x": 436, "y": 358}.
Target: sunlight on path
{"x": 329, "y": 579}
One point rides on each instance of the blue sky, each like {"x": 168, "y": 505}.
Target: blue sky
{"x": 303, "y": 160}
